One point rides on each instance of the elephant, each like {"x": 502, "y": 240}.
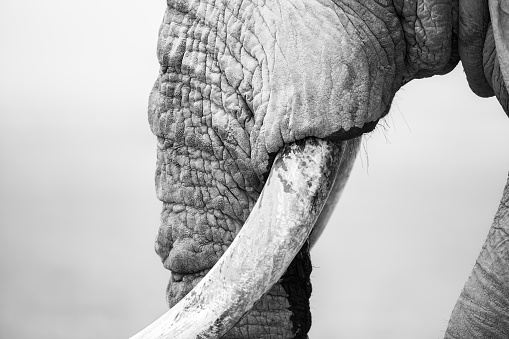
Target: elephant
{"x": 259, "y": 109}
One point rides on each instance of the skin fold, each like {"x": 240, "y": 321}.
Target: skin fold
{"x": 473, "y": 28}
{"x": 240, "y": 80}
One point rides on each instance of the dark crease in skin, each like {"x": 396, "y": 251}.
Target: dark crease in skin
{"x": 354, "y": 131}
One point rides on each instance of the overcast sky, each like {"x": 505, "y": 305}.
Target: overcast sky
{"x": 78, "y": 211}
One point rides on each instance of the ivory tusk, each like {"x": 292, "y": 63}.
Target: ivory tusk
{"x": 298, "y": 185}
{"x": 348, "y": 155}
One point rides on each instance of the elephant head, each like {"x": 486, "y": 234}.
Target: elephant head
{"x": 258, "y": 110}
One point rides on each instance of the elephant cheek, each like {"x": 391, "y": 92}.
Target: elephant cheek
{"x": 331, "y": 75}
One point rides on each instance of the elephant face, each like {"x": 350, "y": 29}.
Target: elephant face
{"x": 242, "y": 80}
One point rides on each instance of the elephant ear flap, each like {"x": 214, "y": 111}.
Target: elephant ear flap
{"x": 497, "y": 51}
{"x": 499, "y": 12}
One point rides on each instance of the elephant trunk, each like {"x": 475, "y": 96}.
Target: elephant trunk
{"x": 482, "y": 311}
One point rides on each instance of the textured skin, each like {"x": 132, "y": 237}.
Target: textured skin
{"x": 238, "y": 80}
{"x": 493, "y": 72}
{"x": 499, "y": 28}
{"x": 430, "y": 28}
{"x": 482, "y": 311}
{"x": 483, "y": 47}
{"x": 499, "y": 12}
{"x": 473, "y": 26}
{"x": 256, "y": 64}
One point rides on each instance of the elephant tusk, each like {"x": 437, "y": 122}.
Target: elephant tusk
{"x": 348, "y": 155}
{"x": 296, "y": 190}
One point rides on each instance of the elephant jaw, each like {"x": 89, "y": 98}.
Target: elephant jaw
{"x": 292, "y": 199}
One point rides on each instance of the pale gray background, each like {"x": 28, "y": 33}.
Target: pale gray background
{"x": 78, "y": 211}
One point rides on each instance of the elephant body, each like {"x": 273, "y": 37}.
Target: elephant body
{"x": 240, "y": 79}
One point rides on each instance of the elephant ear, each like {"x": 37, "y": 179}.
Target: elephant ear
{"x": 499, "y": 10}
{"x": 483, "y": 32}
{"x": 474, "y": 21}
{"x": 431, "y": 35}
{"x": 497, "y": 51}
